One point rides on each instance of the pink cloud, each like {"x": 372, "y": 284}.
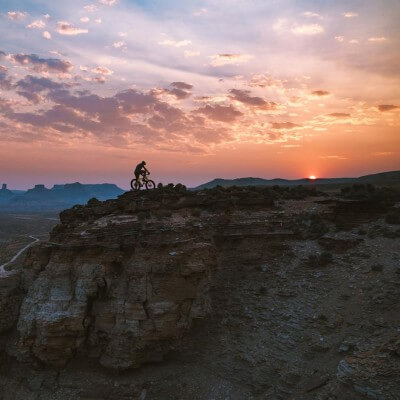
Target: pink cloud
{"x": 38, "y": 64}
{"x": 219, "y": 60}
{"x": 220, "y": 113}
{"x": 16, "y": 15}
{"x": 65, "y": 28}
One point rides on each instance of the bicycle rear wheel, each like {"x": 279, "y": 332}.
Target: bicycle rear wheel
{"x": 135, "y": 185}
{"x": 150, "y": 185}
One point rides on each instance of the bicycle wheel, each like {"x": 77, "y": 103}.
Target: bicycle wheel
{"x": 150, "y": 185}
{"x": 135, "y": 185}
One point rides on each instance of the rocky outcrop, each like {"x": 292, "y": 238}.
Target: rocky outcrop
{"x": 373, "y": 373}
{"x": 124, "y": 299}
{"x": 243, "y": 293}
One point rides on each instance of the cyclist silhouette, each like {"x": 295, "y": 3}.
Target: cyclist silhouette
{"x": 141, "y": 169}
{"x": 144, "y": 181}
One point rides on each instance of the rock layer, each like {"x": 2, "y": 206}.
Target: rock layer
{"x": 243, "y": 293}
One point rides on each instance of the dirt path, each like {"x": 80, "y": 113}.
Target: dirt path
{"x": 2, "y": 267}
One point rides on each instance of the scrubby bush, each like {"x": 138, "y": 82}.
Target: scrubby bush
{"x": 370, "y": 193}
{"x": 295, "y": 192}
{"x": 311, "y": 225}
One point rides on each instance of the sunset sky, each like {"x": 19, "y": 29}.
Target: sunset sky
{"x": 199, "y": 89}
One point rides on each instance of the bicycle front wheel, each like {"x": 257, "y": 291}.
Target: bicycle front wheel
{"x": 135, "y": 185}
{"x": 150, "y": 185}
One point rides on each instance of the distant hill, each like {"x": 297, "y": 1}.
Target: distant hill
{"x": 5, "y": 194}
{"x": 391, "y": 177}
{"x": 58, "y": 197}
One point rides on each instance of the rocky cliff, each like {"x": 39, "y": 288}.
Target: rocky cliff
{"x": 239, "y": 293}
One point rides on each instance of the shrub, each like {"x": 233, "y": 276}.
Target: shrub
{"x": 370, "y": 193}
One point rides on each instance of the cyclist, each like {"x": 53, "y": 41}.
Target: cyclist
{"x": 141, "y": 169}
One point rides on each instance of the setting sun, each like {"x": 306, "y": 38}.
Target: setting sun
{"x": 312, "y": 177}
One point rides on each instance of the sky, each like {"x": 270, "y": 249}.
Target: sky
{"x": 198, "y": 89}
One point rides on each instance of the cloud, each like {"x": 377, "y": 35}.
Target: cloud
{"x": 285, "y": 125}
{"x": 377, "y": 39}
{"x": 382, "y": 153}
{"x": 37, "y": 24}
{"x": 37, "y": 64}
{"x": 65, "y": 28}
{"x": 181, "y": 90}
{"x": 350, "y": 15}
{"x": 353, "y": 41}
{"x": 334, "y": 157}
{"x": 189, "y": 53}
{"x": 220, "y": 113}
{"x": 308, "y": 29}
{"x": 31, "y": 87}
{"x": 119, "y": 44}
{"x": 121, "y": 119}
{"x": 98, "y": 20}
{"x": 219, "y": 60}
{"x": 5, "y": 80}
{"x": 387, "y": 107}
{"x": 5, "y": 106}
{"x": 16, "y": 15}
{"x": 339, "y": 115}
{"x": 243, "y": 96}
{"x": 339, "y": 39}
{"x": 102, "y": 71}
{"x": 90, "y": 8}
{"x": 200, "y": 11}
{"x": 174, "y": 43}
{"x": 108, "y": 2}
{"x": 310, "y": 14}
{"x": 182, "y": 85}
{"x": 84, "y": 19}
{"x": 97, "y": 79}
{"x": 320, "y": 93}
{"x": 280, "y": 25}
{"x": 262, "y": 80}
{"x": 37, "y": 84}
{"x": 46, "y": 35}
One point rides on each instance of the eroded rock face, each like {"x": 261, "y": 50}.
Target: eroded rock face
{"x": 10, "y": 298}
{"x": 371, "y": 373}
{"x": 291, "y": 305}
{"x": 123, "y": 304}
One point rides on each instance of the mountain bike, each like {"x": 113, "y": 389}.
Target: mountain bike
{"x": 143, "y": 181}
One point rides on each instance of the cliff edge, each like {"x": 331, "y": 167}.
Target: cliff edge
{"x": 239, "y": 293}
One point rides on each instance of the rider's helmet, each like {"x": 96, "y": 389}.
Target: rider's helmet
{"x": 144, "y": 162}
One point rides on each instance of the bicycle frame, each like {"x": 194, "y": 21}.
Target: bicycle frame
{"x": 143, "y": 178}
{"x": 142, "y": 181}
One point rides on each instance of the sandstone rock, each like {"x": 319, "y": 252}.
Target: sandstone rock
{"x": 121, "y": 306}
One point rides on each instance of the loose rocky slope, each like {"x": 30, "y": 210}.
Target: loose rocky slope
{"x": 239, "y": 293}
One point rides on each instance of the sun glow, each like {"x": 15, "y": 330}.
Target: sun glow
{"x": 312, "y": 177}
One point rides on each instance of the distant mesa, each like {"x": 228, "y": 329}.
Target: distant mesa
{"x": 59, "y": 197}
{"x": 381, "y": 178}
{"x": 5, "y": 194}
